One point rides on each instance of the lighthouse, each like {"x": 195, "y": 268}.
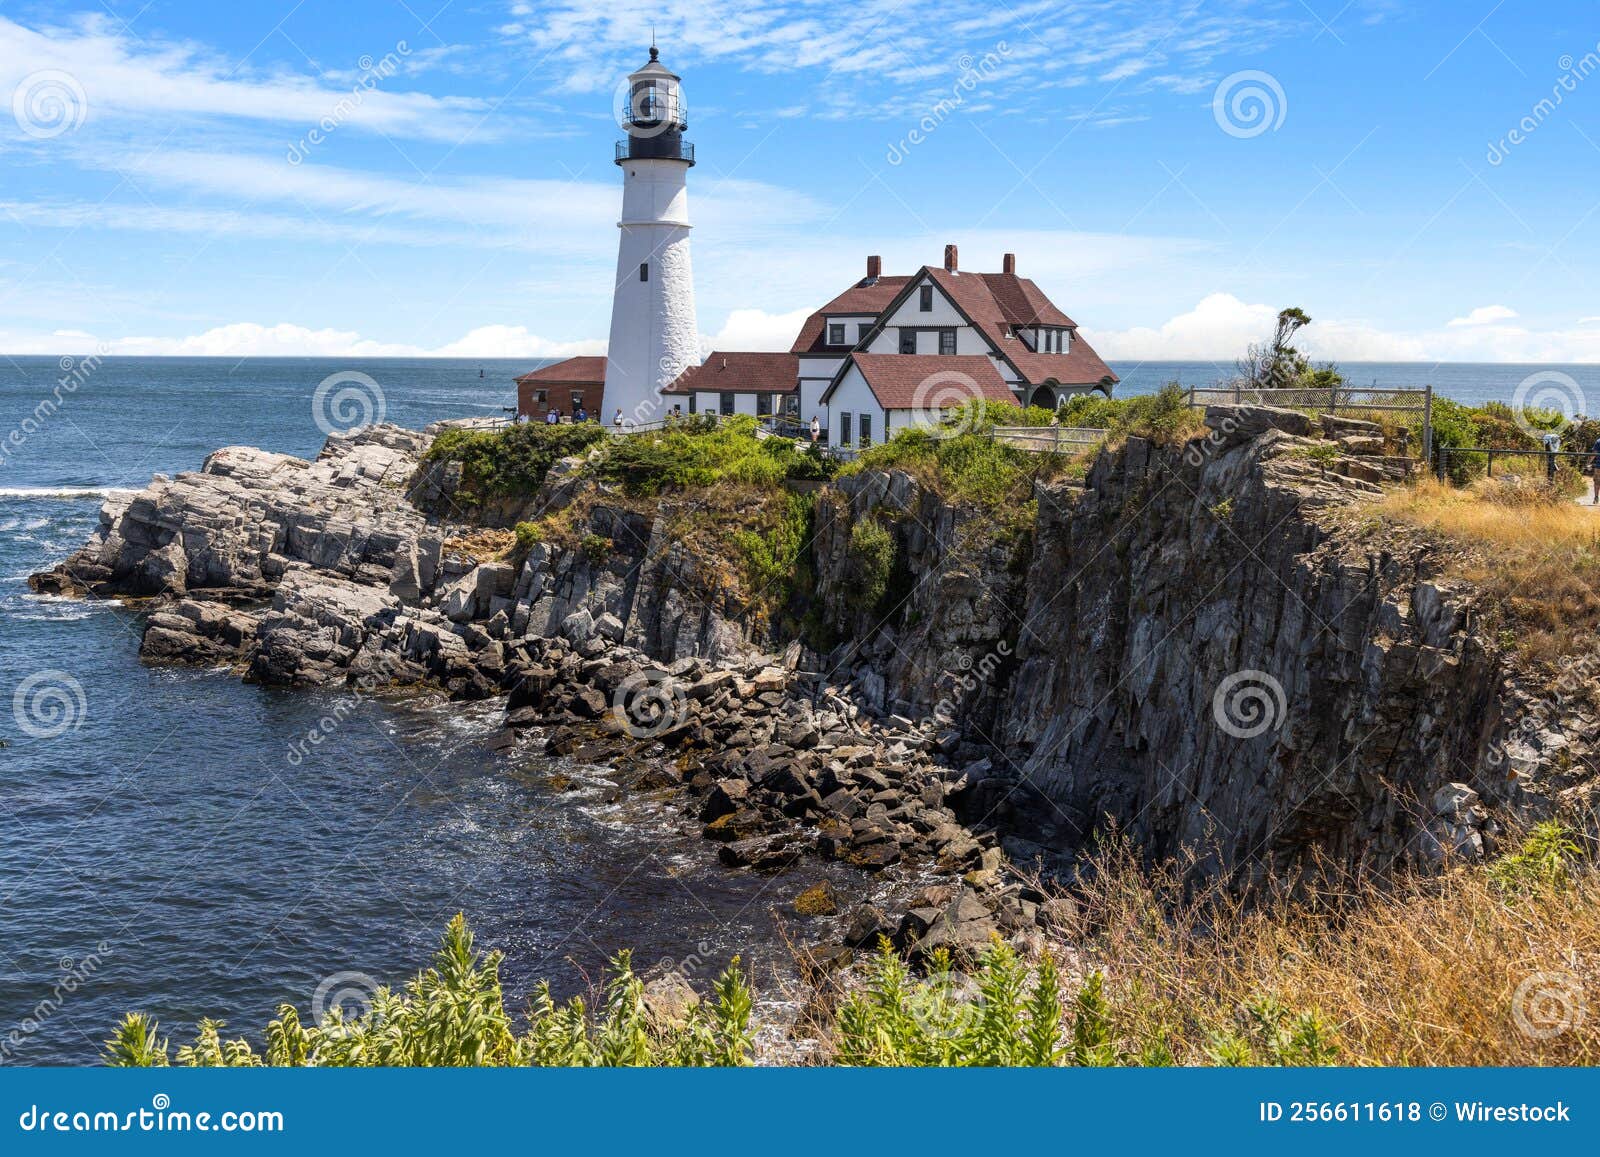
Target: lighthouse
{"x": 654, "y": 336}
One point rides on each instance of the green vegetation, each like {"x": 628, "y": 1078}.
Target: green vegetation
{"x": 776, "y": 563}
{"x": 528, "y": 534}
{"x": 1277, "y": 364}
{"x": 1545, "y": 860}
{"x": 514, "y": 460}
{"x": 963, "y": 463}
{"x": 453, "y": 1014}
{"x": 1164, "y": 417}
{"x": 870, "y": 562}
{"x": 701, "y": 452}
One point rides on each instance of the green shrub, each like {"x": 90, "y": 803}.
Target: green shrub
{"x": 774, "y": 557}
{"x": 514, "y": 460}
{"x": 454, "y": 1015}
{"x": 1165, "y": 417}
{"x": 1545, "y": 860}
{"x": 528, "y": 534}
{"x": 699, "y": 452}
{"x": 869, "y": 562}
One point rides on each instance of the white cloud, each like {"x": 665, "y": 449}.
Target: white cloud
{"x": 122, "y": 76}
{"x": 758, "y": 331}
{"x": 1484, "y": 315}
{"x": 1221, "y": 326}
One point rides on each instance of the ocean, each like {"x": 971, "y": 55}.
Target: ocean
{"x": 163, "y": 849}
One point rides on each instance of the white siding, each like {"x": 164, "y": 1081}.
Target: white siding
{"x": 854, "y": 398}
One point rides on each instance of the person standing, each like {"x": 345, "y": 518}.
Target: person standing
{"x": 553, "y": 417}
{"x": 616, "y": 423}
{"x": 816, "y": 428}
{"x": 1594, "y": 471}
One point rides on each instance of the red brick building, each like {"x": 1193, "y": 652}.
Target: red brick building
{"x": 565, "y": 386}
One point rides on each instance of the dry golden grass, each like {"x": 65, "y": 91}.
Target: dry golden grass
{"x": 1447, "y": 971}
{"x": 1532, "y": 551}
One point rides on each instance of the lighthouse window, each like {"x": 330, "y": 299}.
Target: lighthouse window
{"x": 947, "y": 341}
{"x": 925, "y": 302}
{"x": 644, "y": 271}
{"x": 836, "y": 334}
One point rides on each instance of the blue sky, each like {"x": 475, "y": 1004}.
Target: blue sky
{"x": 162, "y": 192}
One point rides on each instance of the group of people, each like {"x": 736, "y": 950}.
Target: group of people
{"x": 552, "y": 417}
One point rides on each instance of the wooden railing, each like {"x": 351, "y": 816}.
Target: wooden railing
{"x": 1049, "y": 439}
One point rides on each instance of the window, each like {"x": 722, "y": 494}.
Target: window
{"x": 541, "y": 397}
{"x": 947, "y": 341}
{"x": 866, "y": 430}
{"x": 763, "y": 405}
{"x": 791, "y": 405}
{"x": 925, "y": 299}
{"x": 693, "y": 398}
{"x": 836, "y": 333}
{"x": 725, "y": 402}
{"x": 908, "y": 341}
{"x": 863, "y": 328}
{"x": 644, "y": 271}
{"x": 844, "y": 430}
{"x": 577, "y": 402}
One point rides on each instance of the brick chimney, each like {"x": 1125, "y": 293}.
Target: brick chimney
{"x": 950, "y": 258}
{"x": 1008, "y": 264}
{"x": 874, "y": 266}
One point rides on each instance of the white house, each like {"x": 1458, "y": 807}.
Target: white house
{"x": 876, "y": 395}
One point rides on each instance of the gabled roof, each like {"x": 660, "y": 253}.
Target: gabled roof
{"x": 926, "y": 381}
{"x": 749, "y": 373}
{"x": 992, "y": 314}
{"x": 586, "y": 371}
{"x": 869, "y": 296}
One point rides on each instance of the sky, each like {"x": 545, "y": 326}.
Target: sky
{"x": 435, "y": 177}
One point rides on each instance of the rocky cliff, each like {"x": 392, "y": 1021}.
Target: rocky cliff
{"x": 1199, "y": 644}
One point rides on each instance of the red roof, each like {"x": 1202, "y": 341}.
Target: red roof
{"x": 748, "y": 373}
{"x": 994, "y": 302}
{"x": 928, "y": 381}
{"x": 865, "y": 298}
{"x": 580, "y": 371}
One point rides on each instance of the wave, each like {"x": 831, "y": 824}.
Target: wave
{"x": 65, "y": 491}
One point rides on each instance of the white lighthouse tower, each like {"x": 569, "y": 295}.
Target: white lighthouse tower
{"x": 654, "y": 336}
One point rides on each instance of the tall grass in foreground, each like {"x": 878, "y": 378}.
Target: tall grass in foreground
{"x": 1481, "y": 966}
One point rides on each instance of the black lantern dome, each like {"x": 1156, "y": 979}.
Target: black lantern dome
{"x": 655, "y": 116}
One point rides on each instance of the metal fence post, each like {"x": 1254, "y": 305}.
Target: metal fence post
{"x": 1427, "y": 421}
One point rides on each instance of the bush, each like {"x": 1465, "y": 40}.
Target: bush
{"x": 1165, "y": 417}
{"x": 454, "y": 1015}
{"x": 514, "y": 460}
{"x": 528, "y": 534}
{"x": 698, "y": 453}
{"x": 869, "y": 562}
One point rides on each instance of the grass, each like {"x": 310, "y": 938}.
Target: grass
{"x": 704, "y": 452}
{"x": 1421, "y": 972}
{"x": 1533, "y": 554}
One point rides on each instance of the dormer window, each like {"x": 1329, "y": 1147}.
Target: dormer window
{"x": 925, "y": 299}
{"x": 836, "y": 333}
